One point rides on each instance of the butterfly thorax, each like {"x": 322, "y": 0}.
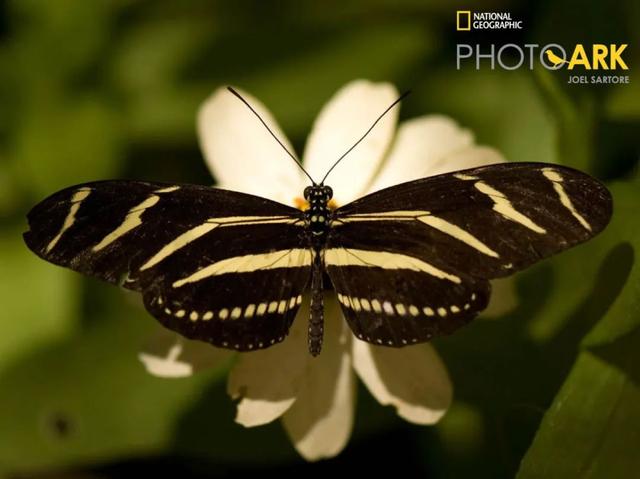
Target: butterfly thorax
{"x": 318, "y": 215}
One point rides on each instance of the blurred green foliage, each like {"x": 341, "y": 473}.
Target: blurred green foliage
{"x": 109, "y": 88}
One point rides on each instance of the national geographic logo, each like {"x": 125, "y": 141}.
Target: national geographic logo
{"x": 466, "y": 20}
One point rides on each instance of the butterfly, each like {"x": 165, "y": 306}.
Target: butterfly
{"x": 408, "y": 263}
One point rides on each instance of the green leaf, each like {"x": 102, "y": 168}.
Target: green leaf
{"x": 595, "y": 419}
{"x": 624, "y": 315}
{"x": 591, "y": 428}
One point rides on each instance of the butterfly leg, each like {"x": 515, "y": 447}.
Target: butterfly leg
{"x": 316, "y": 319}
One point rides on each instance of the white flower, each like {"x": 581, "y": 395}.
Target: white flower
{"x": 316, "y": 396}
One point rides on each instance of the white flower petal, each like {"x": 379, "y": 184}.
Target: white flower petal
{"x": 168, "y": 366}
{"x": 471, "y": 157}
{"x": 241, "y": 153}
{"x": 320, "y": 421}
{"x": 428, "y": 146}
{"x": 342, "y": 121}
{"x": 267, "y": 381}
{"x": 412, "y": 379}
{"x": 420, "y": 145}
{"x": 168, "y": 355}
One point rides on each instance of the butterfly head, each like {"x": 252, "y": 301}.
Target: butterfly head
{"x": 318, "y": 194}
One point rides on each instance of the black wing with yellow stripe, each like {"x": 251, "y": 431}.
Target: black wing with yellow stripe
{"x": 220, "y": 266}
{"x": 413, "y": 261}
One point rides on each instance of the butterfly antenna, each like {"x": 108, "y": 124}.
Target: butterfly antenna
{"x": 366, "y": 133}
{"x": 272, "y": 133}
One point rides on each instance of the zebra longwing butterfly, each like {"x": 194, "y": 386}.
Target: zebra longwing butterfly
{"x": 408, "y": 263}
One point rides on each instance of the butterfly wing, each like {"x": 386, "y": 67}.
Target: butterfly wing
{"x": 215, "y": 265}
{"x": 393, "y": 299}
{"x": 425, "y": 249}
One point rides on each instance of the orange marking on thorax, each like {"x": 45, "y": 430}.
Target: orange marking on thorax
{"x": 301, "y": 203}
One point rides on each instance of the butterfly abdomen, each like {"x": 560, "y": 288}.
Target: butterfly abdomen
{"x": 316, "y": 318}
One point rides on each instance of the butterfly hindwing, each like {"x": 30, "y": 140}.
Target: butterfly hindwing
{"x": 404, "y": 306}
{"x": 238, "y": 310}
{"x": 434, "y": 243}
{"x": 216, "y": 265}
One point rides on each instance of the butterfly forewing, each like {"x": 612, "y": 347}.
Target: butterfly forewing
{"x": 488, "y": 221}
{"x": 216, "y": 265}
{"x": 433, "y": 243}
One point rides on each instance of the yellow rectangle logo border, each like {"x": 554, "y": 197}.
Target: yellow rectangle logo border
{"x": 460, "y": 14}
